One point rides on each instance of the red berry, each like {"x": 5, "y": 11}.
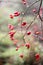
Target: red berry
{"x": 37, "y": 56}
{"x": 37, "y": 33}
{"x": 34, "y": 10}
{"x": 27, "y": 45}
{"x": 11, "y": 27}
{"x": 16, "y": 49}
{"x": 24, "y": 2}
{"x": 11, "y": 33}
{"x": 23, "y": 23}
{"x": 28, "y": 33}
{"x": 11, "y": 16}
{"x": 21, "y": 55}
{"x": 16, "y": 13}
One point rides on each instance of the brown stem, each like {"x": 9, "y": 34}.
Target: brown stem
{"x": 42, "y": 29}
{"x": 40, "y": 17}
{"x": 39, "y": 11}
{"x": 30, "y": 25}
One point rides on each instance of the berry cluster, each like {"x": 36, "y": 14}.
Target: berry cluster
{"x": 15, "y": 14}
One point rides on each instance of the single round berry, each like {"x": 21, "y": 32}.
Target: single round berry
{"x": 37, "y": 33}
{"x": 24, "y": 2}
{"x": 16, "y": 14}
{"x": 27, "y": 45}
{"x": 28, "y": 33}
{"x": 34, "y": 10}
{"x": 23, "y": 23}
{"x": 21, "y": 55}
{"x": 37, "y": 56}
{"x": 11, "y": 16}
{"x": 11, "y": 33}
{"x": 16, "y": 49}
{"x": 11, "y": 27}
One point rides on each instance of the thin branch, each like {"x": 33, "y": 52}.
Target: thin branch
{"x": 40, "y": 17}
{"x": 30, "y": 25}
{"x": 39, "y": 10}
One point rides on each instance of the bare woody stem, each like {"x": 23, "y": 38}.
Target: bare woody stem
{"x": 40, "y": 17}
{"x": 29, "y": 27}
{"x": 39, "y": 10}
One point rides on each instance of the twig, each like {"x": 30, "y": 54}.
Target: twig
{"x": 27, "y": 10}
{"x": 40, "y": 17}
{"x": 30, "y": 25}
{"x": 39, "y": 11}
